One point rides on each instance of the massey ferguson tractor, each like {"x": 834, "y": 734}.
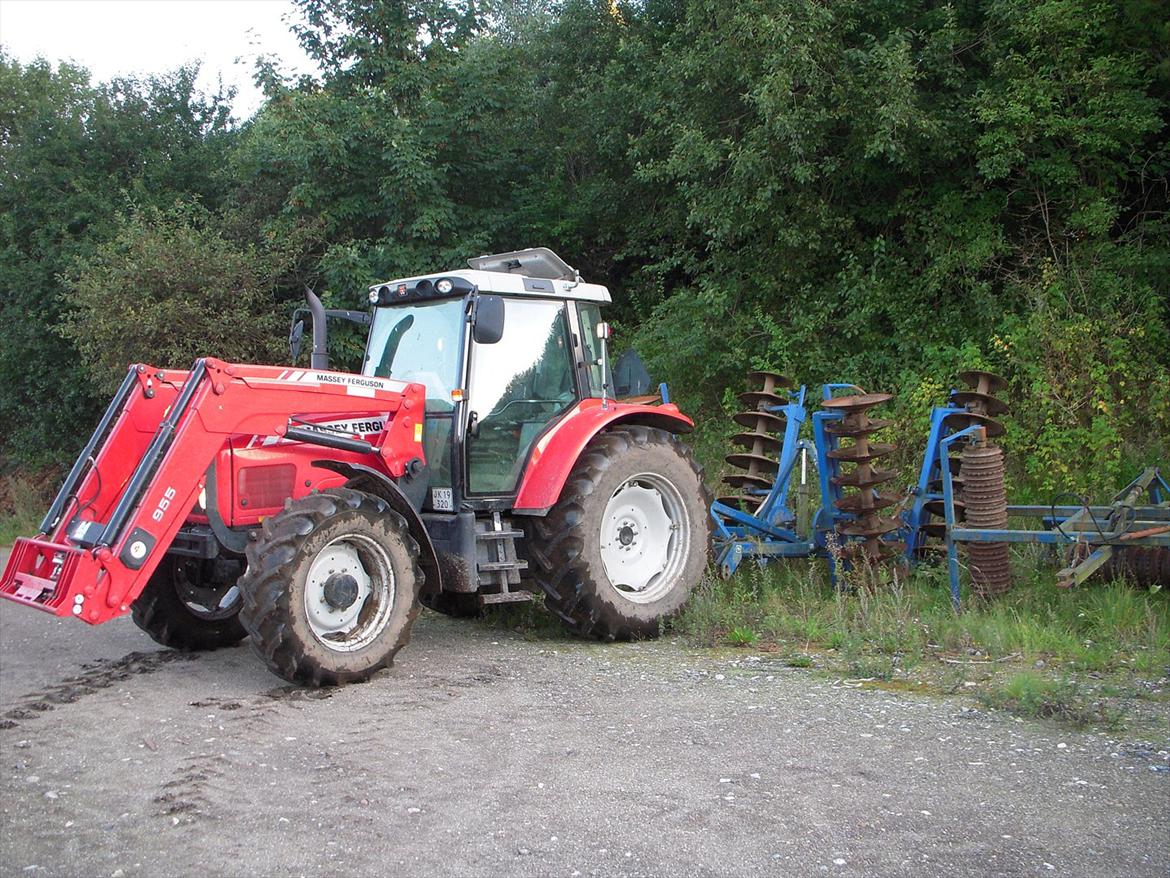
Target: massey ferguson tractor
{"x": 478, "y": 457}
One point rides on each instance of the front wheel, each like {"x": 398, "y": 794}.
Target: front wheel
{"x": 331, "y": 588}
{"x": 191, "y": 604}
{"x": 627, "y": 541}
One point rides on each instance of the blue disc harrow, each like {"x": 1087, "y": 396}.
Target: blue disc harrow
{"x": 958, "y": 498}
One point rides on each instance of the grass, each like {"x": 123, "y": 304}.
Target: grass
{"x": 1030, "y": 694}
{"x": 22, "y": 505}
{"x": 1038, "y": 651}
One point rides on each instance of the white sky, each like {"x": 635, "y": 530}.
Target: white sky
{"x": 118, "y": 37}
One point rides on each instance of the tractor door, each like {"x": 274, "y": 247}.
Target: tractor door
{"x": 423, "y": 342}
{"x": 516, "y": 389}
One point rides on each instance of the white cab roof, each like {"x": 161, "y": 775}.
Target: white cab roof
{"x": 535, "y": 272}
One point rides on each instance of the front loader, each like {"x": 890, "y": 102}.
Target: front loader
{"x": 478, "y": 457}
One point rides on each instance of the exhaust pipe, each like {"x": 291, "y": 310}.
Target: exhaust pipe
{"x": 319, "y": 358}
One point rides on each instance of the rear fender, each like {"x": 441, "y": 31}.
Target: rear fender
{"x": 369, "y": 480}
{"x": 556, "y": 452}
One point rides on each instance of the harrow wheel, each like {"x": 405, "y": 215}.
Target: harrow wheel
{"x": 867, "y": 527}
{"x": 760, "y": 460}
{"x": 1144, "y": 566}
{"x": 331, "y": 588}
{"x": 981, "y": 474}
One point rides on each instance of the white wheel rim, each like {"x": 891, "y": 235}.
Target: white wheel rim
{"x": 645, "y": 538}
{"x": 352, "y": 627}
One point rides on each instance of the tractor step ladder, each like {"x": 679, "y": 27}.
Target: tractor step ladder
{"x": 497, "y": 564}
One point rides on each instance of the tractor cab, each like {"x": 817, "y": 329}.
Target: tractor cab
{"x": 505, "y": 349}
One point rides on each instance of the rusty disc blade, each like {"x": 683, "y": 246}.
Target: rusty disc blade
{"x": 962, "y": 420}
{"x": 856, "y": 503}
{"x": 859, "y": 402}
{"x": 849, "y": 427}
{"x": 983, "y": 382}
{"x": 757, "y": 419}
{"x": 873, "y": 528}
{"x": 937, "y": 530}
{"x": 859, "y": 454}
{"x": 857, "y": 479}
{"x": 768, "y": 443}
{"x": 938, "y": 507}
{"x": 763, "y": 376}
{"x": 746, "y": 481}
{"x": 757, "y": 398}
{"x": 936, "y": 486}
{"x": 980, "y": 403}
{"x": 753, "y": 462}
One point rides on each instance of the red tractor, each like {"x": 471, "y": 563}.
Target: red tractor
{"x": 479, "y": 456}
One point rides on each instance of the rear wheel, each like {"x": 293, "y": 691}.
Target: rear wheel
{"x": 191, "y": 604}
{"x": 332, "y": 588}
{"x": 626, "y": 543}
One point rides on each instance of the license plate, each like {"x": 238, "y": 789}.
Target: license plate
{"x": 442, "y": 500}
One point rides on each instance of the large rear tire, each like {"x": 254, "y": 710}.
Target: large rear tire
{"x": 331, "y": 588}
{"x": 627, "y": 541}
{"x": 191, "y": 604}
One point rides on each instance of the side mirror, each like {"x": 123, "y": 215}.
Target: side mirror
{"x": 295, "y": 335}
{"x": 489, "y": 320}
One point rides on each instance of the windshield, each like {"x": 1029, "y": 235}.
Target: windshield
{"x": 419, "y": 343}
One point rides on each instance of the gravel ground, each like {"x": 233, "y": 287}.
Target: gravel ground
{"x": 482, "y": 753}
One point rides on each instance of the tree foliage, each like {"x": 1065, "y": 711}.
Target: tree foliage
{"x": 875, "y": 192}
{"x": 167, "y": 288}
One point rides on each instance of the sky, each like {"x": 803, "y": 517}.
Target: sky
{"x": 117, "y": 37}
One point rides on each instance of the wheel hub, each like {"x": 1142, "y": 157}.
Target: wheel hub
{"x": 341, "y": 591}
{"x": 336, "y": 591}
{"x": 638, "y": 536}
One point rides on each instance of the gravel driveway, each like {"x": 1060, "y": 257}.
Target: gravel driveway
{"x": 482, "y": 753}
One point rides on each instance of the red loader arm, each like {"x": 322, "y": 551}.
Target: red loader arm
{"x": 142, "y": 470}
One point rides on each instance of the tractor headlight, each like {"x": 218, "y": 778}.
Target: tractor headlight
{"x": 445, "y": 286}
{"x": 374, "y": 294}
{"x": 203, "y": 500}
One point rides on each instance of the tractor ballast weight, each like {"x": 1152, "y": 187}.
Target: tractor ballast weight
{"x": 478, "y": 457}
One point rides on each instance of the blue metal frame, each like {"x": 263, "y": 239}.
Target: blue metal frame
{"x": 771, "y": 531}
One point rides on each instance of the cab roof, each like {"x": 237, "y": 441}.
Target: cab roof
{"x": 536, "y": 271}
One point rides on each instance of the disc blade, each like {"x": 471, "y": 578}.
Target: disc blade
{"x": 962, "y": 420}
{"x": 746, "y": 481}
{"x": 856, "y": 503}
{"x": 767, "y": 443}
{"x": 859, "y": 454}
{"x": 875, "y": 528}
{"x": 762, "y": 376}
{"x": 984, "y": 382}
{"x": 755, "y": 420}
{"x": 859, "y": 402}
{"x": 850, "y": 427}
{"x": 756, "y": 398}
{"x": 980, "y": 403}
{"x": 857, "y": 480}
{"x": 939, "y": 508}
{"x": 754, "y": 462}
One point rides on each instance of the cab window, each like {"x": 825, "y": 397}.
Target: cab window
{"x": 517, "y": 387}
